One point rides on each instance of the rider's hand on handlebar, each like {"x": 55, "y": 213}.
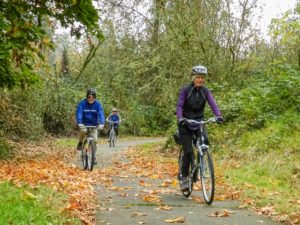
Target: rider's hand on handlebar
{"x": 100, "y": 126}
{"x": 181, "y": 120}
{"x": 80, "y": 125}
{"x": 219, "y": 119}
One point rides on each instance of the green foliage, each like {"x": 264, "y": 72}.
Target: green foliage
{"x": 24, "y": 31}
{"x": 24, "y": 205}
{"x": 4, "y": 148}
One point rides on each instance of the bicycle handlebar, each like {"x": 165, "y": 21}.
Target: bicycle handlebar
{"x": 210, "y": 120}
{"x": 90, "y": 126}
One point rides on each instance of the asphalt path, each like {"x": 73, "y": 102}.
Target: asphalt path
{"x": 127, "y": 208}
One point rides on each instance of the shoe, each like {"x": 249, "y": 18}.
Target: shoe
{"x": 179, "y": 176}
{"x": 95, "y": 161}
{"x": 184, "y": 184}
{"x": 79, "y": 146}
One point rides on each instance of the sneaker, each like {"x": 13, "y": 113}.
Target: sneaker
{"x": 184, "y": 184}
{"x": 95, "y": 161}
{"x": 179, "y": 176}
{"x": 79, "y": 146}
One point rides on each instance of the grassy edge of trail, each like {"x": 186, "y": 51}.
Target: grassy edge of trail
{"x": 268, "y": 194}
{"x": 26, "y": 205}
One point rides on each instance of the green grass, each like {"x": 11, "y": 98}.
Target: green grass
{"x": 261, "y": 162}
{"x": 67, "y": 142}
{"x": 37, "y": 206}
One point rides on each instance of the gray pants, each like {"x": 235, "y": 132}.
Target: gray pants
{"x": 83, "y": 131}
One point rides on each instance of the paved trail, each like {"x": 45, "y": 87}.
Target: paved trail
{"x": 126, "y": 208}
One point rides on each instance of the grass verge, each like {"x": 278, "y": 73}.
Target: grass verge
{"x": 24, "y": 205}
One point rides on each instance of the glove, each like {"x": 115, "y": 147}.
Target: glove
{"x": 100, "y": 126}
{"x": 181, "y": 120}
{"x": 219, "y": 119}
{"x": 80, "y": 125}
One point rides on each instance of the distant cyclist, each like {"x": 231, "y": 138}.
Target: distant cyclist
{"x": 89, "y": 113}
{"x": 191, "y": 104}
{"x": 114, "y": 119}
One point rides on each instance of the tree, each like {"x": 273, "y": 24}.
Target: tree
{"x": 24, "y": 33}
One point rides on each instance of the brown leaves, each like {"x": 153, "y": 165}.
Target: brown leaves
{"x": 137, "y": 214}
{"x": 224, "y": 213}
{"x": 42, "y": 165}
{"x": 164, "y": 207}
{"x": 177, "y": 220}
{"x": 151, "y": 198}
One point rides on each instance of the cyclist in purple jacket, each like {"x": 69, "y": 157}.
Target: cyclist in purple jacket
{"x": 191, "y": 104}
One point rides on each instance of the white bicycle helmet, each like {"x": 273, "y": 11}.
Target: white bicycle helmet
{"x": 199, "y": 70}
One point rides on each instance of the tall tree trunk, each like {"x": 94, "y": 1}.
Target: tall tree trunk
{"x": 158, "y": 7}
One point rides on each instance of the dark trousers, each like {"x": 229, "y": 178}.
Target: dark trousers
{"x": 186, "y": 136}
{"x": 116, "y": 126}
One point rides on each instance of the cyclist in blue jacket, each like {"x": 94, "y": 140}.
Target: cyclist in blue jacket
{"x": 114, "y": 119}
{"x": 89, "y": 113}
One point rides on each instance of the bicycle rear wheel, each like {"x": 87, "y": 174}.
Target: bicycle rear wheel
{"x": 207, "y": 177}
{"x": 188, "y": 192}
{"x": 91, "y": 155}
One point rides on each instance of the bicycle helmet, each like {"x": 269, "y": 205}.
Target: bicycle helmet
{"x": 114, "y": 110}
{"x": 199, "y": 70}
{"x": 91, "y": 91}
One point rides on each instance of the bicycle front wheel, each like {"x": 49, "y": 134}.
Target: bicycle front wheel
{"x": 84, "y": 159}
{"x": 91, "y": 155}
{"x": 207, "y": 177}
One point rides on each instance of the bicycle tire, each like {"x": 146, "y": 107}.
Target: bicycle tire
{"x": 208, "y": 185}
{"x": 111, "y": 137}
{"x": 90, "y": 155}
{"x": 188, "y": 192}
{"x": 84, "y": 158}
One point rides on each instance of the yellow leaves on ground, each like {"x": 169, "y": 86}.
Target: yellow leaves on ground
{"x": 177, "y": 220}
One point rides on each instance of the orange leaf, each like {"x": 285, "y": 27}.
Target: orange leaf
{"x": 177, "y": 220}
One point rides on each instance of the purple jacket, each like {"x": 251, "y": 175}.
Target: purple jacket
{"x": 192, "y": 100}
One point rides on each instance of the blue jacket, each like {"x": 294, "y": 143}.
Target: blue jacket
{"x": 114, "y": 118}
{"x": 90, "y": 114}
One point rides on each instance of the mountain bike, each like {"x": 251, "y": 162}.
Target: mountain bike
{"x": 88, "y": 153}
{"x": 112, "y": 134}
{"x": 201, "y": 166}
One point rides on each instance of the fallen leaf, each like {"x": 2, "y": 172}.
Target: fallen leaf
{"x": 152, "y": 198}
{"x": 224, "y": 213}
{"x": 197, "y": 199}
{"x": 136, "y": 214}
{"x": 29, "y": 195}
{"x": 177, "y": 220}
{"x": 123, "y": 194}
{"x": 164, "y": 207}
{"x": 143, "y": 183}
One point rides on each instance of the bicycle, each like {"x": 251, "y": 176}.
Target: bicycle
{"x": 88, "y": 153}
{"x": 201, "y": 164}
{"x": 112, "y": 134}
